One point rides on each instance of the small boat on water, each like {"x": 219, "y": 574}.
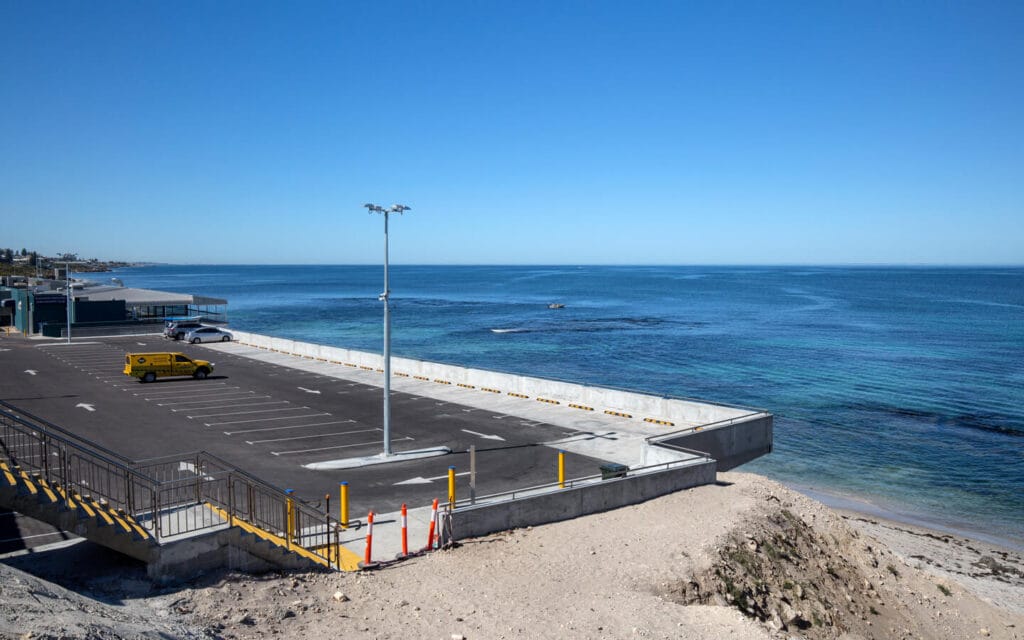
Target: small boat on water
{"x": 556, "y": 305}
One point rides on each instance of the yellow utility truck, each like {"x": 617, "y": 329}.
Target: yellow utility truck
{"x": 147, "y": 367}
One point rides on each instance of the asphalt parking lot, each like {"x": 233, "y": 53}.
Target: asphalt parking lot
{"x": 270, "y": 420}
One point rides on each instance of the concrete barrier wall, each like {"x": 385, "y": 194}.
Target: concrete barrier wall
{"x": 732, "y": 444}
{"x": 478, "y": 520}
{"x": 638, "y": 405}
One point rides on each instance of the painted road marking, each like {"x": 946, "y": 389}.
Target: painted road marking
{"x": 316, "y": 391}
{"x": 87, "y": 407}
{"x": 181, "y": 391}
{"x": 240, "y": 413}
{"x": 315, "y": 435}
{"x": 231, "y": 406}
{"x": 483, "y": 435}
{"x": 342, "y": 446}
{"x": 246, "y": 395}
{"x": 312, "y": 415}
{"x": 30, "y": 372}
{"x": 292, "y": 426}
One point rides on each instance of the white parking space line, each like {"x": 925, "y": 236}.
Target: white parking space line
{"x": 39, "y": 535}
{"x": 315, "y": 435}
{"x": 224, "y": 397}
{"x": 312, "y": 415}
{"x": 233, "y": 406}
{"x": 163, "y": 395}
{"x": 240, "y": 413}
{"x": 292, "y": 426}
{"x": 341, "y": 446}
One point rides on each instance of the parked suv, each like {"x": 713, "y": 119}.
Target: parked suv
{"x": 178, "y": 329}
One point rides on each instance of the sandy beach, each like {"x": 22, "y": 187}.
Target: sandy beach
{"x": 744, "y": 558}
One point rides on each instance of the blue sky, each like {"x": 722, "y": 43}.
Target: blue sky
{"x": 518, "y": 132}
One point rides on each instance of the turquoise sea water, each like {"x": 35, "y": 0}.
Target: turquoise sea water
{"x": 902, "y": 387}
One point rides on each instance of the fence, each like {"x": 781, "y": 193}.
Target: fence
{"x": 170, "y": 496}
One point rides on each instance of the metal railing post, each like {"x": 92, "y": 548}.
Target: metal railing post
{"x": 231, "y": 501}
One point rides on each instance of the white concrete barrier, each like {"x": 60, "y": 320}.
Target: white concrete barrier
{"x": 671, "y": 411}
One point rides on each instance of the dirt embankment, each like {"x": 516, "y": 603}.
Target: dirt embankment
{"x": 745, "y": 558}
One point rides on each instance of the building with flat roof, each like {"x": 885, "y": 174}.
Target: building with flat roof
{"x": 41, "y": 307}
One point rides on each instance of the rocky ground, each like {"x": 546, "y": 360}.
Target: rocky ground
{"x": 746, "y": 558}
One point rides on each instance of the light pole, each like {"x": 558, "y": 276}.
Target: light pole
{"x": 395, "y": 208}
{"x": 71, "y": 298}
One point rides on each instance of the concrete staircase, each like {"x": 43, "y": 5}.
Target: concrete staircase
{"x": 276, "y": 549}
{"x": 82, "y": 515}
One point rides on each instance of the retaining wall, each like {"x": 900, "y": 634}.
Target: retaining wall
{"x": 637, "y": 405}
{"x": 730, "y": 444}
{"x": 477, "y": 520}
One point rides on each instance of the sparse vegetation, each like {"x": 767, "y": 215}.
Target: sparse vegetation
{"x": 945, "y": 591}
{"x": 893, "y": 570}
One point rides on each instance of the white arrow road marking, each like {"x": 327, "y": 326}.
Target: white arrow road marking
{"x": 422, "y": 480}
{"x": 87, "y": 407}
{"x": 30, "y": 372}
{"x": 8, "y": 350}
{"x": 316, "y": 391}
{"x": 141, "y": 343}
{"x": 483, "y": 435}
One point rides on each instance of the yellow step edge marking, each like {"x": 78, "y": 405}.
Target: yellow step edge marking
{"x": 139, "y": 530}
{"x": 490, "y": 390}
{"x": 466, "y": 386}
{"x": 425, "y": 378}
{"x": 440, "y": 381}
{"x": 517, "y": 395}
{"x": 401, "y": 375}
{"x": 548, "y": 401}
{"x": 50, "y": 495}
{"x": 101, "y": 512}
{"x": 281, "y": 542}
{"x": 11, "y": 480}
{"x": 31, "y": 486}
{"x": 67, "y": 498}
{"x": 84, "y": 507}
{"x": 663, "y": 422}
{"x": 124, "y": 525}
{"x": 349, "y": 561}
{"x": 581, "y": 406}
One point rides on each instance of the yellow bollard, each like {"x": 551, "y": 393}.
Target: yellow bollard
{"x": 344, "y": 505}
{"x": 290, "y": 517}
{"x": 561, "y": 469}
{"x": 451, "y": 487}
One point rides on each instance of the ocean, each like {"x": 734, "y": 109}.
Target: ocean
{"x": 900, "y": 389}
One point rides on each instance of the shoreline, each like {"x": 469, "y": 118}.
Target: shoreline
{"x": 861, "y": 506}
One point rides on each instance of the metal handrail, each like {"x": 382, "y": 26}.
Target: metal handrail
{"x": 170, "y": 495}
{"x": 552, "y": 487}
{"x": 659, "y": 438}
{"x": 64, "y": 432}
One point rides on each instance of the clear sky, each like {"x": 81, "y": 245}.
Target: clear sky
{"x": 519, "y": 132}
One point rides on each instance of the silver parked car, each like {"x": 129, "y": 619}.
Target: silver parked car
{"x": 208, "y": 334}
{"x": 176, "y": 330}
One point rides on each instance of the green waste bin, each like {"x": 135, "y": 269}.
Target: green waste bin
{"x": 613, "y": 470}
